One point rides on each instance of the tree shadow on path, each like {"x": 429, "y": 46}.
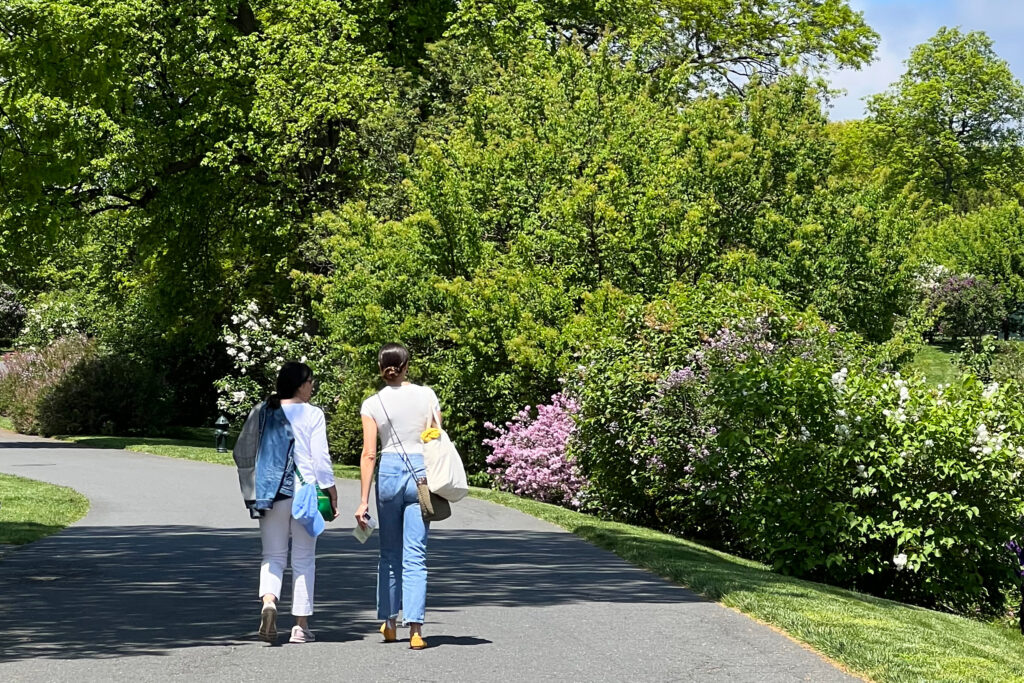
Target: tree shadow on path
{"x": 118, "y": 591}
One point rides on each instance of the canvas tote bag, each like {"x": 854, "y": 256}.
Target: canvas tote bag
{"x": 446, "y": 475}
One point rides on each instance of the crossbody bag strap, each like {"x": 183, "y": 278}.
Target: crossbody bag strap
{"x": 405, "y": 456}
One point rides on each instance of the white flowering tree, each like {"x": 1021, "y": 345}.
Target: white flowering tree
{"x": 259, "y": 345}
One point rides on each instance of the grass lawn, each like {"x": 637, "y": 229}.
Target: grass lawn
{"x": 31, "y": 509}
{"x": 878, "y": 639}
{"x": 5, "y": 423}
{"x": 935, "y": 362}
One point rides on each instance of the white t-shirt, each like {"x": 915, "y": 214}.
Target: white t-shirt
{"x": 311, "y": 454}
{"x": 409, "y": 408}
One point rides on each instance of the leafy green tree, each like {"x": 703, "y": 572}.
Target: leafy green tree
{"x": 570, "y": 159}
{"x": 710, "y": 42}
{"x": 488, "y": 343}
{"x": 194, "y": 132}
{"x": 952, "y": 124}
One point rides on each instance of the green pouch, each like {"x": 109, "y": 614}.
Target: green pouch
{"x": 323, "y": 501}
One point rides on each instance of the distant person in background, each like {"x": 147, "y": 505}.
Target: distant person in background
{"x": 398, "y": 414}
{"x": 282, "y": 435}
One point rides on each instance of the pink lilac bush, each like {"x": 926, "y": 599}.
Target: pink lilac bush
{"x": 529, "y": 454}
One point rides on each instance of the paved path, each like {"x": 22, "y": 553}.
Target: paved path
{"x": 158, "y": 582}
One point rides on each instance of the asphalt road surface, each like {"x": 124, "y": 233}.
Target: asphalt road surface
{"x": 158, "y": 582}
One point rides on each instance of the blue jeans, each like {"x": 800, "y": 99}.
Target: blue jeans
{"x": 402, "y": 570}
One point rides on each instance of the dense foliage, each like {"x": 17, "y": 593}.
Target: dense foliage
{"x": 12, "y": 314}
{"x": 731, "y": 417}
{"x": 536, "y": 197}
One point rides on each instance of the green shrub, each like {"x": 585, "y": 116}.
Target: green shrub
{"x": 729, "y": 416}
{"x": 1008, "y": 363}
{"x": 989, "y": 359}
{"x": 12, "y": 314}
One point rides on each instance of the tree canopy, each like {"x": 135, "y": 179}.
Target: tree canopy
{"x": 952, "y": 123}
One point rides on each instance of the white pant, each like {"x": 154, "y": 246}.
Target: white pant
{"x": 276, "y": 526}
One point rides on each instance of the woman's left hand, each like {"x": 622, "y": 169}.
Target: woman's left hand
{"x": 332, "y": 495}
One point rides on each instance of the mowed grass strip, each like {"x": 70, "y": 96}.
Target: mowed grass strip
{"x": 874, "y": 638}
{"x": 197, "y": 445}
{"x": 30, "y": 510}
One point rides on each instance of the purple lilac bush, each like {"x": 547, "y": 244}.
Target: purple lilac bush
{"x": 529, "y": 454}
{"x": 967, "y": 306}
{"x": 767, "y": 432}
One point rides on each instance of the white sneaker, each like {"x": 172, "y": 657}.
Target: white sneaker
{"x": 301, "y": 635}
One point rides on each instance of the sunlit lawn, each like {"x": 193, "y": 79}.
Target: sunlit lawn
{"x": 935, "y": 362}
{"x": 30, "y": 509}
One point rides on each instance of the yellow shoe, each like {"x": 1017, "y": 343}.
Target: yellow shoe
{"x": 390, "y": 634}
{"x": 416, "y": 642}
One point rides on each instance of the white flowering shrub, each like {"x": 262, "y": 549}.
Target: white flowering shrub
{"x": 55, "y": 315}
{"x": 259, "y": 344}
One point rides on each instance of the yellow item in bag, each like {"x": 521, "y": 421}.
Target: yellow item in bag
{"x": 430, "y": 434}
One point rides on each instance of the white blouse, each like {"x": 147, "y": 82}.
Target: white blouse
{"x": 409, "y": 408}
{"x": 311, "y": 455}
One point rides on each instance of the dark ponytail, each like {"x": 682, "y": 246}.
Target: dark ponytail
{"x": 393, "y": 359}
{"x": 291, "y": 376}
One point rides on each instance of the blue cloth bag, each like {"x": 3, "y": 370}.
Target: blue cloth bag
{"x": 306, "y": 512}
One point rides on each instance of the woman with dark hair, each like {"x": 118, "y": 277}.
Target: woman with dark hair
{"x": 290, "y": 438}
{"x": 398, "y": 414}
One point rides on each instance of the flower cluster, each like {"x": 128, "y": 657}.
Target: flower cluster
{"x": 51, "y": 319}
{"x": 258, "y": 347}
{"x": 529, "y": 454}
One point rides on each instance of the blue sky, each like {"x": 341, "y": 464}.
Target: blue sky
{"x": 902, "y": 24}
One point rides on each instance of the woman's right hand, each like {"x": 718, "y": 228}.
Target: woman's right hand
{"x": 361, "y": 512}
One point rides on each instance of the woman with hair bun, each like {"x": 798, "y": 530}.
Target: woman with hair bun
{"x": 398, "y": 414}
